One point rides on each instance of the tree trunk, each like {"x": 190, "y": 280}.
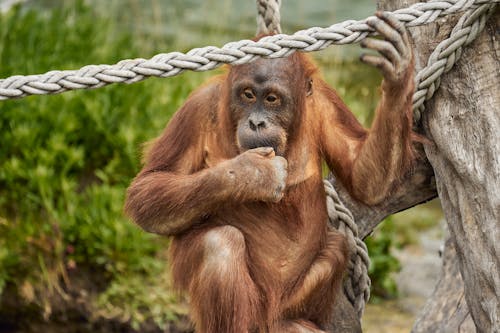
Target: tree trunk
{"x": 446, "y": 310}
{"x": 463, "y": 123}
{"x": 417, "y": 187}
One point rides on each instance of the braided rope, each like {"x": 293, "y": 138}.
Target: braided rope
{"x": 357, "y": 286}
{"x": 446, "y": 54}
{"x": 268, "y": 17}
{"x": 210, "y": 57}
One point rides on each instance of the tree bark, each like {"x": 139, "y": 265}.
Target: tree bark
{"x": 417, "y": 187}
{"x": 463, "y": 123}
{"x": 446, "y": 310}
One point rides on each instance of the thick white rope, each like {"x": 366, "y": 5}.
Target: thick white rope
{"x": 446, "y": 54}
{"x": 268, "y": 17}
{"x": 210, "y": 57}
{"x": 357, "y": 286}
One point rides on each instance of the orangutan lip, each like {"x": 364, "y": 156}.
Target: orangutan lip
{"x": 260, "y": 142}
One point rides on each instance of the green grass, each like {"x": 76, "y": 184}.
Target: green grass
{"x": 66, "y": 160}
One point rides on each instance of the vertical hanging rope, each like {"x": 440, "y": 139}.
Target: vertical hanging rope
{"x": 268, "y": 17}
{"x": 357, "y": 285}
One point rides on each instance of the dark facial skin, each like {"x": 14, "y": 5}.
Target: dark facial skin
{"x": 263, "y": 104}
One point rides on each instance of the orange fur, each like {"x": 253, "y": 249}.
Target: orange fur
{"x": 248, "y": 264}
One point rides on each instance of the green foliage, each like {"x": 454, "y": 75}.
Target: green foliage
{"x": 66, "y": 160}
{"x": 128, "y": 296}
{"x": 355, "y": 82}
{"x": 383, "y": 263}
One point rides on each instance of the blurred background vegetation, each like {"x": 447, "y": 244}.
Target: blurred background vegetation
{"x": 66, "y": 160}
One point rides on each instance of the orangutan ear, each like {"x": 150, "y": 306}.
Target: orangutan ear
{"x": 309, "y": 87}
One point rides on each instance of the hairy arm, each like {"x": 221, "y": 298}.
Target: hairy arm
{"x": 371, "y": 163}
{"x": 174, "y": 191}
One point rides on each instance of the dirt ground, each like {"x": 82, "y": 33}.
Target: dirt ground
{"x": 388, "y": 317}
{"x": 420, "y": 269}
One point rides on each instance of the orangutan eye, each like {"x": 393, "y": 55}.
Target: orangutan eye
{"x": 272, "y": 98}
{"x": 248, "y": 94}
